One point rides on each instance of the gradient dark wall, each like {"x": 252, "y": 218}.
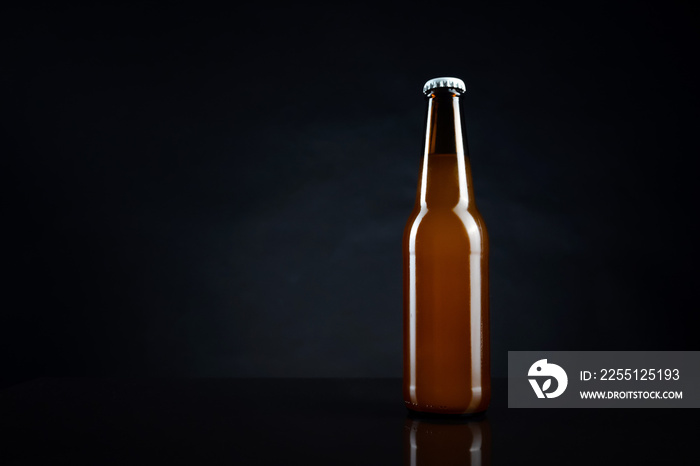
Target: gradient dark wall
{"x": 208, "y": 192}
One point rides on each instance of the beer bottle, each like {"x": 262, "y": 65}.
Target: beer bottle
{"x": 445, "y": 255}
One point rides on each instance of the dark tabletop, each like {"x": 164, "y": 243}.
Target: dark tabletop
{"x": 313, "y": 421}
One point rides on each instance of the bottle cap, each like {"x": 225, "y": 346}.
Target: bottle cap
{"x": 453, "y": 83}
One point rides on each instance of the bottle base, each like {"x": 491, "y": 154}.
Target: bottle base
{"x": 413, "y": 414}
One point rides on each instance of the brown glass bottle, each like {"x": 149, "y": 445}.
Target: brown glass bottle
{"x": 445, "y": 254}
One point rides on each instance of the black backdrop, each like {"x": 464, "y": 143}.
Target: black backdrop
{"x": 201, "y": 191}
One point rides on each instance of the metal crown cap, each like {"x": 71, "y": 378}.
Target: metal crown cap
{"x": 454, "y": 83}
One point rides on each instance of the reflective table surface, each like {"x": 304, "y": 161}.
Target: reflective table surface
{"x": 314, "y": 421}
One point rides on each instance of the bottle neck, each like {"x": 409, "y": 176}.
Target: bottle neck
{"x": 444, "y": 123}
{"x": 446, "y": 174}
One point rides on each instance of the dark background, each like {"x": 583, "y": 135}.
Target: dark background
{"x": 198, "y": 191}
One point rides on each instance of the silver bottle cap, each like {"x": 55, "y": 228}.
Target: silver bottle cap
{"x": 453, "y": 83}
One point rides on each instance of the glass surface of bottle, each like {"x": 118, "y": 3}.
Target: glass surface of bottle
{"x": 445, "y": 269}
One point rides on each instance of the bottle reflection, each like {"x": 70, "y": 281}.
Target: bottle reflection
{"x": 447, "y": 442}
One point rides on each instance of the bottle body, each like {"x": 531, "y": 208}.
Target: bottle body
{"x": 445, "y": 255}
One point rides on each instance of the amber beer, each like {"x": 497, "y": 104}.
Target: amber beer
{"x": 445, "y": 255}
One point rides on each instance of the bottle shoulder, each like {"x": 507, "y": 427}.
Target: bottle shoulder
{"x": 437, "y": 222}
{"x": 426, "y": 213}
